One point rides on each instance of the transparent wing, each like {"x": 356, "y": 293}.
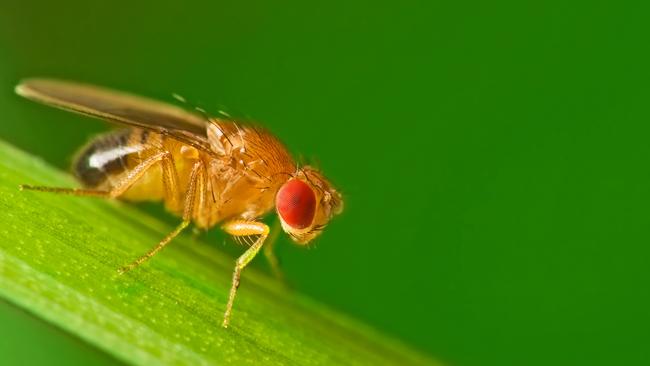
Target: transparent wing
{"x": 119, "y": 107}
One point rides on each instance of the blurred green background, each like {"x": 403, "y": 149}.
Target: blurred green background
{"x": 493, "y": 155}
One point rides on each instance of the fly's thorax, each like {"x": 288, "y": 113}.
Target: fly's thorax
{"x": 249, "y": 168}
{"x": 251, "y": 149}
{"x": 237, "y": 192}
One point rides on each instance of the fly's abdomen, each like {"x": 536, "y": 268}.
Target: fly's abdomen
{"x": 108, "y": 156}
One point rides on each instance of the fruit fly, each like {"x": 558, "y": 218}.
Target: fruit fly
{"x": 206, "y": 170}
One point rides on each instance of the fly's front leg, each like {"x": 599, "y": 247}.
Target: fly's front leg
{"x": 243, "y": 228}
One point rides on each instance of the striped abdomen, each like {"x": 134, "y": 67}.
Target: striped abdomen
{"x": 109, "y": 156}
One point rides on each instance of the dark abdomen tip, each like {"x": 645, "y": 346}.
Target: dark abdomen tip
{"x": 103, "y": 156}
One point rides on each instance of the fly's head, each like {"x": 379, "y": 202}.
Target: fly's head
{"x": 305, "y": 204}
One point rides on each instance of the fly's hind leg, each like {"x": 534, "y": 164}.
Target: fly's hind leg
{"x": 195, "y": 187}
{"x": 243, "y": 228}
{"x": 123, "y": 185}
{"x": 70, "y": 191}
{"x": 170, "y": 183}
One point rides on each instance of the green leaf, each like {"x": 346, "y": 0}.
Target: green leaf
{"x": 58, "y": 260}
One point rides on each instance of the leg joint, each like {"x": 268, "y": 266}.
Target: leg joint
{"x": 245, "y": 228}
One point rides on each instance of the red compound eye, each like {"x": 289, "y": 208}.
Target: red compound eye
{"x": 296, "y": 204}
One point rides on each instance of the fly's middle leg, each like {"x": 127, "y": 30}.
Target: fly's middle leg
{"x": 196, "y": 188}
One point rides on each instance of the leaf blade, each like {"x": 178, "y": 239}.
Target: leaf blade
{"x": 58, "y": 259}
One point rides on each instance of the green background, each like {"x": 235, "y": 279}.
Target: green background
{"x": 493, "y": 155}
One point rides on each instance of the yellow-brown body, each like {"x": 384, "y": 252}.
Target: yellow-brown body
{"x": 206, "y": 170}
{"x": 240, "y": 181}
